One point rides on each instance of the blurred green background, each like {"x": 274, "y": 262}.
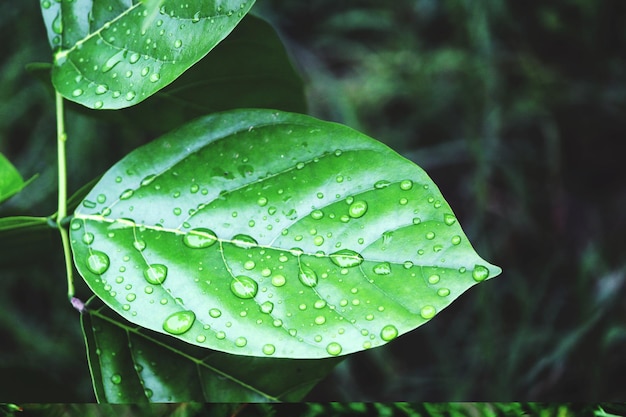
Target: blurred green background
{"x": 518, "y": 112}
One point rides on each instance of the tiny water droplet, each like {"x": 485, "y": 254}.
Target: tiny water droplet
{"x": 267, "y": 307}
{"x": 346, "y": 258}
{"x": 131, "y": 297}
{"x": 244, "y": 241}
{"x": 101, "y": 89}
{"x": 78, "y": 92}
{"x": 278, "y": 280}
{"x": 241, "y": 341}
{"x": 389, "y": 332}
{"x": 430, "y": 235}
{"x": 89, "y": 204}
{"x": 215, "y": 312}
{"x": 130, "y": 95}
{"x": 244, "y": 287}
{"x": 262, "y": 201}
{"x": 307, "y": 276}
{"x": 480, "y": 273}
{"x": 155, "y": 274}
{"x": 88, "y": 238}
{"x": 317, "y": 214}
{"x": 201, "y": 338}
{"x": 381, "y": 184}
{"x": 57, "y": 24}
{"x": 269, "y": 349}
{"x": 443, "y": 292}
{"x": 383, "y": 268}
{"x": 179, "y": 322}
{"x": 140, "y": 245}
{"x": 428, "y": 312}
{"x": 319, "y": 320}
{"x": 200, "y": 238}
{"x": 126, "y": 194}
{"x": 333, "y": 348}
{"x": 116, "y": 379}
{"x": 406, "y": 185}
{"x": 178, "y": 43}
{"x": 98, "y": 262}
{"x": 433, "y": 279}
{"x": 357, "y": 209}
{"x": 134, "y": 58}
{"x": 456, "y": 239}
{"x": 449, "y": 219}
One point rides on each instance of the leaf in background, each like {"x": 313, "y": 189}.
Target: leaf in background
{"x": 11, "y": 182}
{"x": 115, "y": 54}
{"x": 131, "y": 364}
{"x": 264, "y": 233}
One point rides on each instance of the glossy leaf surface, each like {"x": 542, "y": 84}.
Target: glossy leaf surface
{"x": 11, "y": 181}
{"x": 131, "y": 365}
{"x": 115, "y": 54}
{"x": 273, "y": 234}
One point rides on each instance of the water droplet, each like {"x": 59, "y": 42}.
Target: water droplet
{"x": 145, "y": 71}
{"x": 199, "y": 238}
{"x": 215, "y": 312}
{"x": 116, "y": 379}
{"x": 408, "y": 265}
{"x": 88, "y": 238}
{"x": 383, "y": 268}
{"x": 241, "y": 341}
{"x": 357, "y": 209}
{"x": 389, "y": 332}
{"x": 317, "y": 214}
{"x": 262, "y": 201}
{"x": 89, "y": 204}
{"x": 220, "y": 335}
{"x": 130, "y": 95}
{"x": 319, "y": 320}
{"x": 456, "y": 239}
{"x": 45, "y": 4}
{"x": 140, "y": 245}
{"x": 430, "y": 235}
{"x": 178, "y": 43}
{"x": 126, "y": 194}
{"x": 269, "y": 349}
{"x": 449, "y": 219}
{"x": 318, "y": 241}
{"x": 101, "y": 89}
{"x": 131, "y": 297}
{"x": 307, "y": 276}
{"x": 433, "y": 279}
{"x": 98, "y": 262}
{"x": 77, "y": 92}
{"x": 267, "y": 307}
{"x": 381, "y": 184}
{"x": 278, "y": 280}
{"x": 406, "y": 185}
{"x": 134, "y": 58}
{"x": 98, "y": 104}
{"x": 201, "y": 338}
{"x": 179, "y": 322}
{"x": 346, "y": 258}
{"x": 155, "y": 274}
{"x": 244, "y": 287}
{"x": 113, "y": 61}
{"x": 154, "y": 77}
{"x": 443, "y": 292}
{"x": 244, "y": 241}
{"x": 480, "y": 273}
{"x": 333, "y": 348}
{"x": 428, "y": 312}
{"x": 57, "y": 24}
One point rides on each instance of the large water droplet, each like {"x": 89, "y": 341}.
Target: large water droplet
{"x": 179, "y": 322}
{"x": 200, "y": 238}
{"x": 346, "y": 258}
{"x": 269, "y": 349}
{"x": 389, "y": 332}
{"x": 307, "y": 276}
{"x": 333, "y": 348}
{"x": 88, "y": 238}
{"x": 428, "y": 312}
{"x": 215, "y": 312}
{"x": 244, "y": 287}
{"x": 113, "y": 61}
{"x": 244, "y": 241}
{"x": 98, "y": 262}
{"x": 155, "y": 274}
{"x": 241, "y": 341}
{"x": 278, "y": 280}
{"x": 116, "y": 379}
{"x": 449, "y": 219}
{"x": 357, "y": 209}
{"x": 57, "y": 24}
{"x": 480, "y": 273}
{"x": 383, "y": 268}
{"x": 267, "y": 307}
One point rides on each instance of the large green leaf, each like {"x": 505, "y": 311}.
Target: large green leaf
{"x": 114, "y": 54}
{"x": 131, "y": 364}
{"x": 263, "y": 233}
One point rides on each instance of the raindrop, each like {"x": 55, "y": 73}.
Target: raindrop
{"x": 130, "y": 95}
{"x": 443, "y": 292}
{"x": 456, "y": 239}
{"x": 318, "y": 241}
{"x": 307, "y": 276}
{"x": 134, "y": 58}
{"x": 155, "y": 274}
{"x": 480, "y": 273}
{"x": 406, "y": 185}
{"x": 101, "y": 89}
{"x": 113, "y": 61}
{"x": 77, "y": 92}
{"x": 45, "y": 4}
{"x": 98, "y": 262}
{"x": 140, "y": 245}
{"x": 428, "y": 312}
{"x": 317, "y": 214}
{"x": 383, "y": 268}
{"x": 199, "y": 238}
{"x": 88, "y": 238}
{"x": 430, "y": 235}
{"x": 381, "y": 184}
{"x": 131, "y": 297}
{"x": 267, "y": 307}
{"x": 346, "y": 258}
{"x": 57, "y": 24}
{"x": 278, "y": 280}
{"x": 269, "y": 349}
{"x": 262, "y": 201}
{"x": 98, "y": 104}
{"x": 449, "y": 219}
{"x": 244, "y": 241}
{"x": 127, "y": 194}
{"x": 244, "y": 287}
{"x": 357, "y": 209}
{"x": 200, "y": 338}
{"x": 178, "y": 43}
{"x": 333, "y": 348}
{"x": 154, "y": 77}
{"x": 319, "y": 304}
{"x": 433, "y": 279}
{"x": 389, "y": 332}
{"x": 89, "y": 204}
{"x": 179, "y": 322}
{"x": 215, "y": 312}
{"x": 241, "y": 341}
{"x": 319, "y": 320}
{"x": 145, "y": 71}
{"x": 116, "y": 379}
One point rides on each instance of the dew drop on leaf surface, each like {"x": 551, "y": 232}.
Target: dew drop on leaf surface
{"x": 179, "y": 322}
{"x": 244, "y": 286}
{"x": 98, "y": 262}
{"x": 155, "y": 274}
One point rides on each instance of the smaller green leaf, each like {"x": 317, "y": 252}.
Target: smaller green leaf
{"x": 112, "y": 55}
{"x": 134, "y": 365}
{"x": 11, "y": 182}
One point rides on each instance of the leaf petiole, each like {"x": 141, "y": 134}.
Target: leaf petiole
{"x": 62, "y": 194}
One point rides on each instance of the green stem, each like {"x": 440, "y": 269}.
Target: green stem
{"x": 62, "y": 206}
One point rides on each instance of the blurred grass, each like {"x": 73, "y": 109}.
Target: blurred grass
{"x": 516, "y": 109}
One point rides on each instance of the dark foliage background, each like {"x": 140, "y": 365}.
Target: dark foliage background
{"x": 518, "y": 112}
